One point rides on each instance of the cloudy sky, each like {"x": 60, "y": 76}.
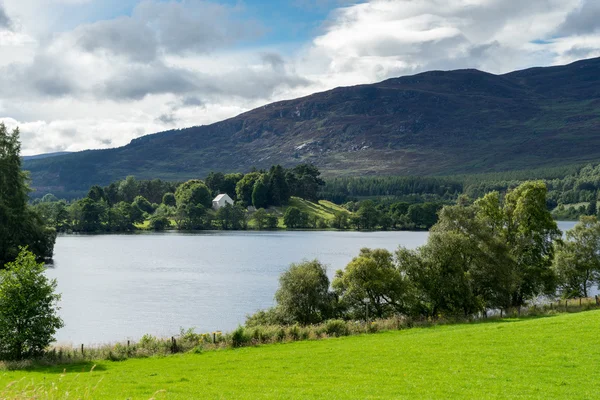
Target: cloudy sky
{"x": 80, "y": 74}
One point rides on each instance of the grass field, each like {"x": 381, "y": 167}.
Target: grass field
{"x": 542, "y": 358}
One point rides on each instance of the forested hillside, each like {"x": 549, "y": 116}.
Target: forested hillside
{"x": 434, "y": 123}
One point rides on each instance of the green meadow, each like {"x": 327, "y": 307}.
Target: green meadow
{"x": 554, "y": 357}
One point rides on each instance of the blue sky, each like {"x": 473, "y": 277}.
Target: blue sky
{"x": 80, "y": 74}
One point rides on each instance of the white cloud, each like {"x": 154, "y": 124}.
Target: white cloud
{"x": 176, "y": 64}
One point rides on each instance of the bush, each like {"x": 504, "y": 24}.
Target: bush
{"x": 336, "y": 327}
{"x": 271, "y": 316}
{"x": 159, "y": 223}
{"x": 239, "y": 337}
{"x": 294, "y": 332}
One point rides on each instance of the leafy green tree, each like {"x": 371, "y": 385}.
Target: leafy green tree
{"x": 54, "y": 213}
{"x": 215, "y": 181}
{"x": 159, "y": 223}
{"x": 423, "y": 215}
{"x": 577, "y": 261}
{"x": 245, "y": 187}
{"x": 20, "y": 224}
{"x": 193, "y": 192}
{"x": 191, "y": 217}
{"x": 96, "y": 193}
{"x": 385, "y": 221}
{"x": 260, "y": 193}
{"x": 371, "y": 281}
{"x": 294, "y": 218}
{"x": 28, "y": 308}
{"x": 143, "y": 204}
{"x": 136, "y": 214}
{"x": 341, "y": 219}
{"x": 88, "y": 215}
{"x": 121, "y": 218}
{"x": 169, "y": 200}
{"x": 463, "y": 269}
{"x": 367, "y": 216}
{"x": 260, "y": 218}
{"x": 231, "y": 217}
{"x": 128, "y": 189}
{"x": 592, "y": 208}
{"x": 272, "y": 221}
{"x": 529, "y": 231}
{"x": 303, "y": 294}
{"x": 230, "y": 183}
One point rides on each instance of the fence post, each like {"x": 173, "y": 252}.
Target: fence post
{"x": 567, "y": 305}
{"x": 82, "y": 349}
{"x": 500, "y": 313}
{"x": 214, "y": 337}
{"x": 551, "y": 305}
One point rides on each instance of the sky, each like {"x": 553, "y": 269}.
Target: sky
{"x": 89, "y": 74}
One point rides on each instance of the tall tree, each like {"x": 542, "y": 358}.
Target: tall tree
{"x": 303, "y": 293}
{"x": 193, "y": 192}
{"x": 128, "y": 189}
{"x": 529, "y": 231}
{"x": 577, "y": 261}
{"x": 20, "y": 225}
{"x": 371, "y": 280}
{"x": 245, "y": 187}
{"x": 279, "y": 192}
{"x": 592, "y": 208}
{"x": 306, "y": 181}
{"x": 215, "y": 181}
{"x": 260, "y": 193}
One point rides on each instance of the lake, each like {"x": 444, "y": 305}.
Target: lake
{"x": 119, "y": 287}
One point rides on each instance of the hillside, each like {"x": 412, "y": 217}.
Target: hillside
{"x": 550, "y": 358}
{"x": 434, "y": 123}
{"x": 46, "y": 155}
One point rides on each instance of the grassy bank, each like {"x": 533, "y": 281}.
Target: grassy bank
{"x": 551, "y": 357}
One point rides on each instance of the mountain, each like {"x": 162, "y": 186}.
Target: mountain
{"x": 45, "y": 155}
{"x": 433, "y": 123}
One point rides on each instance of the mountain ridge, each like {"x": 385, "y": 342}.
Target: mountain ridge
{"x": 432, "y": 123}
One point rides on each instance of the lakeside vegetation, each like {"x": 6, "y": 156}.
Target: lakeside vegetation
{"x": 362, "y": 203}
{"x": 501, "y": 251}
{"x": 274, "y": 199}
{"x": 551, "y": 358}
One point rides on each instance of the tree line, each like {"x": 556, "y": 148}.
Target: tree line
{"x": 122, "y": 205}
{"x": 495, "y": 253}
{"x": 572, "y": 191}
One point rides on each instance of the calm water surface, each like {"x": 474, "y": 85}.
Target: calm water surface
{"x": 119, "y": 287}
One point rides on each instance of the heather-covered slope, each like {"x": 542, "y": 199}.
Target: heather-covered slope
{"x": 428, "y": 124}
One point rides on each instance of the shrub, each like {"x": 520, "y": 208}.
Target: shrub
{"x": 159, "y": 223}
{"x": 336, "y": 327}
{"x": 294, "y": 332}
{"x": 239, "y": 337}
